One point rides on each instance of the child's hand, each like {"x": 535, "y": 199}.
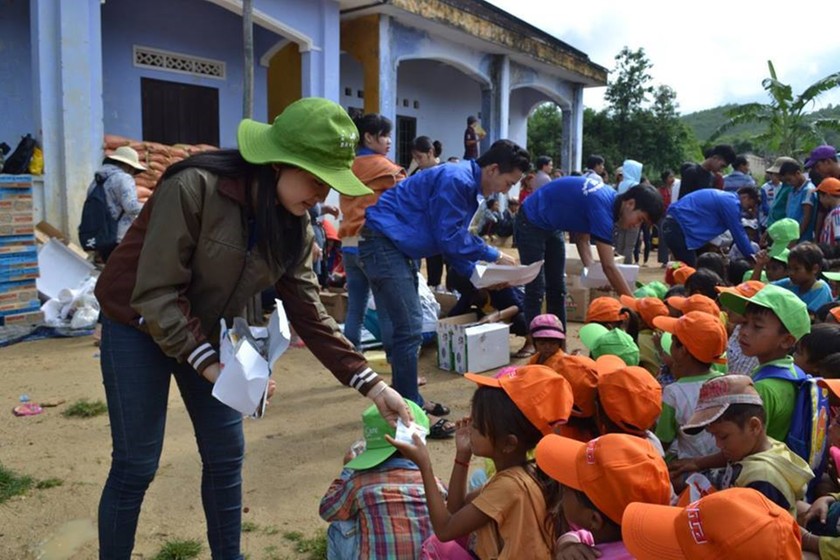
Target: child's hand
{"x": 416, "y": 452}
{"x": 762, "y": 259}
{"x": 818, "y": 510}
{"x": 463, "y": 447}
{"x": 682, "y": 466}
{"x": 569, "y": 547}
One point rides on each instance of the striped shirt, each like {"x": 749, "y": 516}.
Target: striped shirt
{"x": 389, "y": 504}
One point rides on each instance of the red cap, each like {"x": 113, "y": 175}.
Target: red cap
{"x": 543, "y": 395}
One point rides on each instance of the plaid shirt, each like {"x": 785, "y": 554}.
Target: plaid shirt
{"x": 389, "y": 504}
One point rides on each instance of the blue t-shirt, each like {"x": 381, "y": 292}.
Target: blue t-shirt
{"x": 806, "y": 194}
{"x": 575, "y": 204}
{"x": 816, "y": 297}
{"x": 705, "y": 214}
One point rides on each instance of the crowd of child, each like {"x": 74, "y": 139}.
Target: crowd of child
{"x": 701, "y": 424}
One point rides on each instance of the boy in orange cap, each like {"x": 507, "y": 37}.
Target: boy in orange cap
{"x": 829, "y": 196}
{"x": 628, "y": 400}
{"x": 735, "y": 524}
{"x": 698, "y": 340}
{"x": 647, "y": 308}
{"x": 582, "y": 374}
{"x": 730, "y": 408}
{"x": 696, "y": 302}
{"x": 600, "y": 479}
{"x": 607, "y": 311}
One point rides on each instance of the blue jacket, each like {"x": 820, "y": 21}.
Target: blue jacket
{"x": 429, "y": 214}
{"x": 705, "y": 214}
{"x": 736, "y": 180}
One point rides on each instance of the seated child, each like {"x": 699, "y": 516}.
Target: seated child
{"x": 775, "y": 319}
{"x": 813, "y": 348}
{"x": 602, "y": 341}
{"x": 698, "y": 340}
{"x": 607, "y": 312}
{"x": 646, "y": 309}
{"x": 704, "y": 281}
{"x": 735, "y": 524}
{"x": 730, "y": 408}
{"x": 377, "y": 507}
{"x": 600, "y": 479}
{"x": 548, "y": 336}
{"x": 804, "y": 266}
{"x": 696, "y": 302}
{"x": 509, "y": 516}
{"x": 736, "y": 362}
{"x": 628, "y": 400}
{"x": 582, "y": 374}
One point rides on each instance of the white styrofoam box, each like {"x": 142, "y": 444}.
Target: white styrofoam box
{"x": 597, "y": 279}
{"x": 60, "y": 268}
{"x": 480, "y": 348}
{"x": 446, "y": 330}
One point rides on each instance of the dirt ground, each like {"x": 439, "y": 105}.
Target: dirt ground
{"x": 292, "y": 454}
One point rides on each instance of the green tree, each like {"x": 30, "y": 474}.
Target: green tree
{"x": 786, "y": 126}
{"x": 545, "y": 132}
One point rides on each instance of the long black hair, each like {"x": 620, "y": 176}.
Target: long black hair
{"x": 278, "y": 233}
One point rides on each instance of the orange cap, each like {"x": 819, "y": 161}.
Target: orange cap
{"x": 702, "y": 334}
{"x": 835, "y": 312}
{"x": 697, "y": 302}
{"x": 746, "y": 289}
{"x": 630, "y": 397}
{"x": 613, "y": 470}
{"x": 833, "y": 385}
{"x": 582, "y": 374}
{"x": 830, "y": 185}
{"x": 604, "y": 310}
{"x": 543, "y": 395}
{"x": 646, "y": 307}
{"x": 682, "y": 274}
{"x": 736, "y": 524}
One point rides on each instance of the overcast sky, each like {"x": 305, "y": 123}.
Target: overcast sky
{"x": 710, "y": 52}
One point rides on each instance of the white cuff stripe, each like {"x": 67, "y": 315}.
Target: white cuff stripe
{"x": 203, "y": 358}
{"x": 365, "y": 376}
{"x": 199, "y": 350}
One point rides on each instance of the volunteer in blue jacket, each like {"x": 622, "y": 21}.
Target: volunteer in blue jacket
{"x": 699, "y": 217}
{"x": 425, "y": 215}
{"x": 591, "y": 209}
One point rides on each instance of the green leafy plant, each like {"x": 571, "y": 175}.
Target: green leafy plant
{"x": 179, "y": 550}
{"x": 12, "y": 484}
{"x": 249, "y": 527}
{"x": 314, "y": 547}
{"x": 48, "y": 483}
{"x": 84, "y": 408}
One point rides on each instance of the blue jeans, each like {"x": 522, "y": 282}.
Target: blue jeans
{"x": 393, "y": 281}
{"x": 343, "y": 540}
{"x": 674, "y": 237}
{"x": 537, "y": 244}
{"x": 358, "y": 291}
{"x": 136, "y": 375}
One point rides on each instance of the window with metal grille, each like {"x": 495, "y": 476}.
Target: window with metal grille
{"x": 146, "y": 57}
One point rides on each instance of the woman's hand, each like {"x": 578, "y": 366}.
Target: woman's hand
{"x": 390, "y": 404}
{"x": 505, "y": 259}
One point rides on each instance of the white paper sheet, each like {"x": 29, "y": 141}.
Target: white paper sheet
{"x": 243, "y": 381}
{"x": 517, "y": 275}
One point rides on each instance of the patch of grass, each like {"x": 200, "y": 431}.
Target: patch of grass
{"x": 49, "y": 483}
{"x": 179, "y": 550}
{"x": 249, "y": 527}
{"x": 270, "y": 530}
{"x": 271, "y": 553}
{"x": 12, "y": 484}
{"x": 315, "y": 547}
{"x": 84, "y": 408}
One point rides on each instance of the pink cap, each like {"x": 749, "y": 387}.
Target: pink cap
{"x": 547, "y": 325}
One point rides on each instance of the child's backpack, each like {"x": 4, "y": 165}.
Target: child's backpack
{"x": 18, "y": 162}
{"x": 98, "y": 228}
{"x": 809, "y": 422}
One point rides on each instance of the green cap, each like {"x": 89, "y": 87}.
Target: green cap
{"x": 781, "y": 256}
{"x": 833, "y": 276}
{"x": 791, "y": 311}
{"x": 377, "y": 450}
{"x": 666, "y": 341}
{"x": 782, "y": 232}
{"x": 314, "y": 134}
{"x": 748, "y": 276}
{"x": 602, "y": 341}
{"x": 655, "y": 289}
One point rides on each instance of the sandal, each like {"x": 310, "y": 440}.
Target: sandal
{"x": 439, "y": 429}
{"x": 524, "y": 353}
{"x": 436, "y": 409}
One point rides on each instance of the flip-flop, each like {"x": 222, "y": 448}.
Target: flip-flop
{"x": 27, "y": 409}
{"x": 436, "y": 409}
{"x": 522, "y": 354}
{"x": 439, "y": 430}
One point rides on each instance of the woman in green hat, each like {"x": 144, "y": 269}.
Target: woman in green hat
{"x": 220, "y": 228}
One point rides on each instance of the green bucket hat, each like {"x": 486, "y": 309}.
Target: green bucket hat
{"x": 782, "y": 233}
{"x": 655, "y": 289}
{"x": 314, "y": 134}
{"x": 377, "y": 450}
{"x": 602, "y": 341}
{"x": 791, "y": 311}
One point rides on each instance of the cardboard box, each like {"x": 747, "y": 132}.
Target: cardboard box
{"x": 577, "y": 302}
{"x": 19, "y": 319}
{"x": 597, "y": 279}
{"x": 574, "y": 266}
{"x": 466, "y": 346}
{"x": 447, "y": 302}
{"x": 335, "y": 304}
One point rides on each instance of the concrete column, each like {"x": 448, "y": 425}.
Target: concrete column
{"x": 567, "y": 147}
{"x": 320, "y": 65}
{"x": 387, "y": 80}
{"x": 67, "y": 88}
{"x": 495, "y": 102}
{"x": 576, "y": 144}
